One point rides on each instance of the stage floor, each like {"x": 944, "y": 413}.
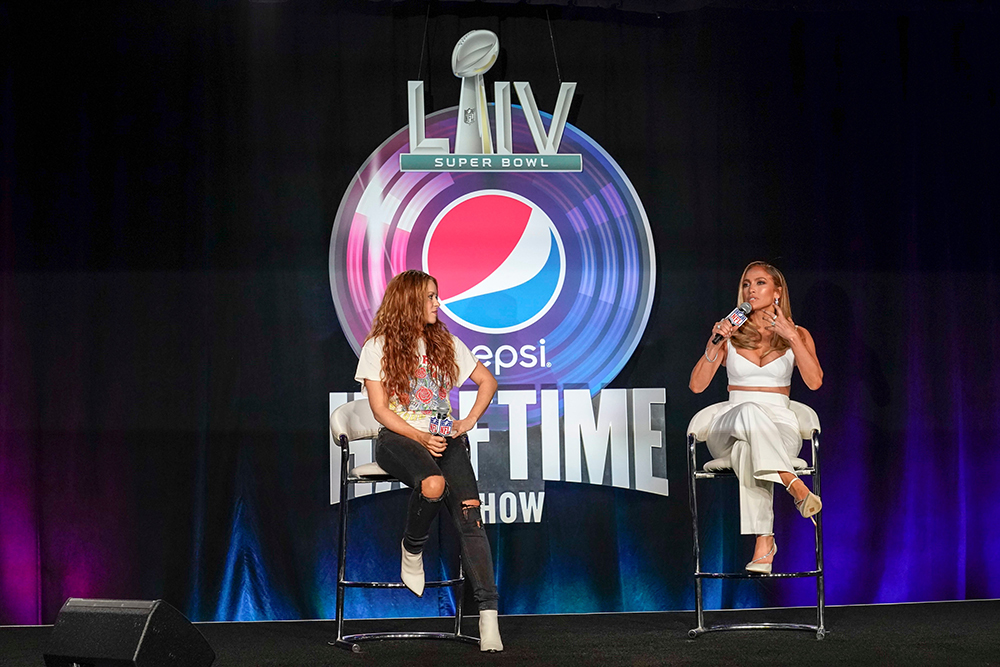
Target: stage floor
{"x": 938, "y": 633}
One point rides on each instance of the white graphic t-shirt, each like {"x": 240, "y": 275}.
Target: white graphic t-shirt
{"x": 426, "y": 396}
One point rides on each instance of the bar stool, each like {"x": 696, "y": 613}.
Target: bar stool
{"x": 809, "y": 429}
{"x": 355, "y": 421}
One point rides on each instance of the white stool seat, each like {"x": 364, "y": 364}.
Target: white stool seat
{"x": 368, "y": 470}
{"x": 724, "y": 463}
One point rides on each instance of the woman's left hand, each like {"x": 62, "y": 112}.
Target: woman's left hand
{"x": 781, "y": 325}
{"x": 461, "y": 427}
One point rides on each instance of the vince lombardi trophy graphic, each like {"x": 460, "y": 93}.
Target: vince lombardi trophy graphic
{"x": 473, "y": 56}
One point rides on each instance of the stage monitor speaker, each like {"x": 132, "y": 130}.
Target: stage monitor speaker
{"x": 122, "y": 633}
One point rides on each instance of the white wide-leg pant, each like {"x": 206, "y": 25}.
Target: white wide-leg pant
{"x": 760, "y": 434}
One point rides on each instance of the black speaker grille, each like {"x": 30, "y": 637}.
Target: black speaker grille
{"x": 118, "y": 633}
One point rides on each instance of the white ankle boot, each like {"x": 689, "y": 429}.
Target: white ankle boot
{"x": 412, "y": 571}
{"x": 489, "y": 631}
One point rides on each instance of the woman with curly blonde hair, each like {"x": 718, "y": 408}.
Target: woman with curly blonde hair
{"x": 758, "y": 433}
{"x": 408, "y": 365}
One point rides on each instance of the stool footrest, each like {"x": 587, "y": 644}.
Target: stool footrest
{"x": 756, "y": 575}
{"x": 693, "y": 633}
{"x": 349, "y": 642}
{"x": 399, "y": 584}
{"x": 724, "y": 474}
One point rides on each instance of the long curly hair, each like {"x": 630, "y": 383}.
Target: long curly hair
{"x": 748, "y": 336}
{"x": 400, "y": 321}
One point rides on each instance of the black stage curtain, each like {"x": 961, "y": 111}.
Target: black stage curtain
{"x": 170, "y": 173}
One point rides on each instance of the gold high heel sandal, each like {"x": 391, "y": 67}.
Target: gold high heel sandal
{"x": 762, "y": 568}
{"x": 809, "y": 506}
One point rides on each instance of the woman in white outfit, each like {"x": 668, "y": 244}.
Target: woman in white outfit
{"x": 758, "y": 431}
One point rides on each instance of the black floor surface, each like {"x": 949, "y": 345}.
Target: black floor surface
{"x": 944, "y": 633}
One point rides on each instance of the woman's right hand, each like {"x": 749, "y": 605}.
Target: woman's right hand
{"x": 724, "y": 327}
{"x": 713, "y": 357}
{"x": 434, "y": 444}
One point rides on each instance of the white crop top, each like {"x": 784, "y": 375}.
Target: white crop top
{"x": 744, "y": 373}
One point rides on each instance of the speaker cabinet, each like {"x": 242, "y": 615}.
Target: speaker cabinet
{"x": 121, "y": 633}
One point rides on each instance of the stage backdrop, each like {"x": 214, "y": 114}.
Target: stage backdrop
{"x": 170, "y": 177}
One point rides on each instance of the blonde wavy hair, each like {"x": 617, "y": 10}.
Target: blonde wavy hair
{"x": 748, "y": 336}
{"x": 400, "y": 321}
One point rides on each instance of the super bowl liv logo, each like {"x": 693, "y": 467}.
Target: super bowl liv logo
{"x": 546, "y": 269}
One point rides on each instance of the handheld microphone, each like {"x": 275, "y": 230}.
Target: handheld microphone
{"x": 736, "y": 318}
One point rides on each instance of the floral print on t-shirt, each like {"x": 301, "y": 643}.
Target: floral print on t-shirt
{"x": 426, "y": 396}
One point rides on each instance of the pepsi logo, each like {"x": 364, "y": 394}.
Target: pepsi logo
{"x": 499, "y": 261}
{"x": 547, "y": 277}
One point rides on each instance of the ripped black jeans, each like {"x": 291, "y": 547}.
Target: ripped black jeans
{"x": 408, "y": 461}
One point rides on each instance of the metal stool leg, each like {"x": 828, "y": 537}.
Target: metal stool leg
{"x": 342, "y": 553}
{"x": 693, "y": 503}
{"x": 459, "y": 599}
{"x": 820, "y": 585}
